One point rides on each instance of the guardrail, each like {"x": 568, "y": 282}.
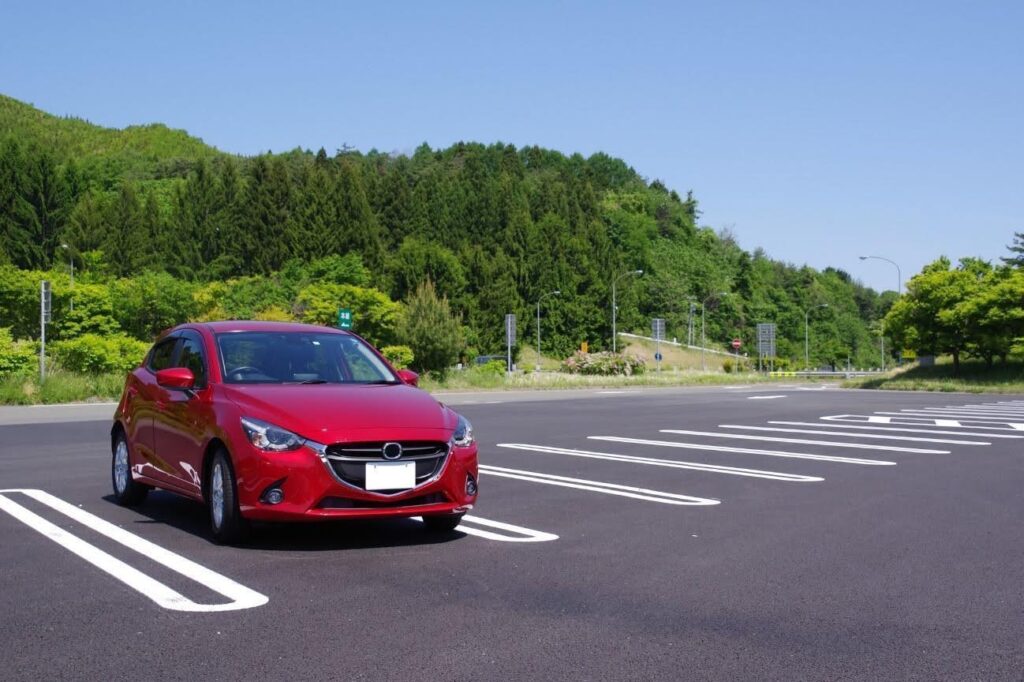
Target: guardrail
{"x": 841, "y": 373}
{"x": 677, "y": 344}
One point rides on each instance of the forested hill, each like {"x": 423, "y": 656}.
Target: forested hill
{"x": 493, "y": 226}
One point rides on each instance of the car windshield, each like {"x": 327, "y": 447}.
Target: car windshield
{"x": 300, "y": 358}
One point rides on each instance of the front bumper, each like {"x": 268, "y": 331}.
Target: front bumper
{"x": 313, "y": 492}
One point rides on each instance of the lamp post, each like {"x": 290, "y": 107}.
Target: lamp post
{"x": 71, "y": 259}
{"x": 807, "y": 363}
{"x": 899, "y": 274}
{"x": 899, "y": 292}
{"x": 615, "y": 306}
{"x": 556, "y": 292}
{"x": 702, "y": 338}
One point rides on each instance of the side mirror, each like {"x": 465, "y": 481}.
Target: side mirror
{"x": 409, "y": 377}
{"x": 176, "y": 377}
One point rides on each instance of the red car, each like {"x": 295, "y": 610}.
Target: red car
{"x": 288, "y": 422}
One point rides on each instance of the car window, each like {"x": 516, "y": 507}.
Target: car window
{"x": 191, "y": 356}
{"x": 297, "y": 357}
{"x": 160, "y": 357}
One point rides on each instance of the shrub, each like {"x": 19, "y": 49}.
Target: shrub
{"x": 399, "y": 356}
{"x": 94, "y": 354}
{"x": 431, "y": 330}
{"x": 17, "y": 358}
{"x": 604, "y": 363}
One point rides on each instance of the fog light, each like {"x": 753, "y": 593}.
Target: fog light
{"x": 274, "y": 496}
{"x": 470, "y": 486}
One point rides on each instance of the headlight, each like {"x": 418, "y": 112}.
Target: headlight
{"x": 463, "y": 435}
{"x": 269, "y": 438}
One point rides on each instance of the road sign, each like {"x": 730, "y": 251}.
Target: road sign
{"x": 344, "y": 318}
{"x": 658, "y": 328}
{"x": 47, "y": 302}
{"x": 657, "y": 356}
{"x": 766, "y": 339}
{"x": 510, "y": 330}
{"x": 585, "y": 347}
{"x": 736, "y": 343}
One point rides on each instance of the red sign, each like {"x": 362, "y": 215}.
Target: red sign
{"x": 736, "y": 343}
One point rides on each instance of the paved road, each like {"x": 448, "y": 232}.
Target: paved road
{"x": 723, "y": 553}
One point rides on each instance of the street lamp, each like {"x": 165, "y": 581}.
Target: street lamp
{"x": 702, "y": 341}
{"x": 71, "y": 259}
{"x": 615, "y": 307}
{"x": 807, "y": 312}
{"x": 556, "y": 292}
{"x": 899, "y": 291}
{"x": 899, "y": 274}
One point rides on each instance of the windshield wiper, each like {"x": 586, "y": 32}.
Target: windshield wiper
{"x": 379, "y": 382}
{"x": 314, "y": 381}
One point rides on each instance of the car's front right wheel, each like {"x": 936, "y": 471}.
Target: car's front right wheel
{"x": 226, "y": 520}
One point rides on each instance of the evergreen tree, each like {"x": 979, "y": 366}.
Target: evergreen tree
{"x": 1017, "y": 249}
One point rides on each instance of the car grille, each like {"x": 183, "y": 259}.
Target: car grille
{"x": 345, "y": 503}
{"x": 348, "y": 460}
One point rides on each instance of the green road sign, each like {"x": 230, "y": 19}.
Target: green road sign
{"x": 344, "y": 318}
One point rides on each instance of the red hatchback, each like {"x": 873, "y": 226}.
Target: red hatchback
{"x": 288, "y": 422}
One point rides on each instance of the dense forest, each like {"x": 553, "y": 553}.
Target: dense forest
{"x": 161, "y": 228}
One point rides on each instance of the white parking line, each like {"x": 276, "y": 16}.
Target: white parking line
{"x": 974, "y": 411}
{"x": 241, "y": 597}
{"x": 805, "y": 441}
{"x": 1012, "y": 422}
{"x": 744, "y": 451}
{"x": 911, "y": 420}
{"x": 915, "y": 439}
{"x": 517, "y": 533}
{"x": 672, "y": 464}
{"x": 764, "y": 397}
{"x": 598, "y": 487}
{"x": 896, "y": 428}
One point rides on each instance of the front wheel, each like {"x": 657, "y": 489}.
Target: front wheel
{"x": 127, "y": 492}
{"x": 442, "y": 524}
{"x": 226, "y": 520}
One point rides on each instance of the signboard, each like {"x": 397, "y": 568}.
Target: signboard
{"x": 736, "y": 343}
{"x": 658, "y": 328}
{"x": 510, "y": 330}
{"x": 585, "y": 347}
{"x": 344, "y": 318}
{"x": 908, "y": 354}
{"x": 657, "y": 356}
{"x": 47, "y": 302}
{"x": 766, "y": 339}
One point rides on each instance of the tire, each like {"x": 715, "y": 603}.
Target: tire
{"x": 127, "y": 492}
{"x": 226, "y": 522}
{"x": 442, "y": 524}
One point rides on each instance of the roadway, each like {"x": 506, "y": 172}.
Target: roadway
{"x": 761, "y": 533}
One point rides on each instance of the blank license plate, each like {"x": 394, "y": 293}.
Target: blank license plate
{"x": 390, "y": 475}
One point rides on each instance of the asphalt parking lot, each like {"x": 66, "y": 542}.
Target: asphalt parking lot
{"x": 762, "y": 533}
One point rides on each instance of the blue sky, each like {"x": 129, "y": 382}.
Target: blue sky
{"x": 818, "y": 131}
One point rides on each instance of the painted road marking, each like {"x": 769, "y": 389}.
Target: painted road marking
{"x": 672, "y": 464}
{"x": 241, "y": 597}
{"x": 970, "y": 412}
{"x": 511, "y": 533}
{"x": 915, "y": 439}
{"x": 895, "y": 428}
{"x": 959, "y": 417}
{"x": 981, "y": 408}
{"x": 744, "y": 451}
{"x": 598, "y": 487}
{"x": 764, "y": 397}
{"x": 804, "y": 441}
{"x": 910, "y": 420}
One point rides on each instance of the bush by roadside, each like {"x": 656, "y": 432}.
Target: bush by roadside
{"x": 604, "y": 364}
{"x": 61, "y": 387}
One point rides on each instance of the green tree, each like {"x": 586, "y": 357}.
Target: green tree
{"x": 430, "y": 329}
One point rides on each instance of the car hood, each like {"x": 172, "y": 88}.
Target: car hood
{"x": 341, "y": 412}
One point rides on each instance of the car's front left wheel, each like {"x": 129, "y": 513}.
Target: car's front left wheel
{"x": 127, "y": 492}
{"x": 226, "y": 520}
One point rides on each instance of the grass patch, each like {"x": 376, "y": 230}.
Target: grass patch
{"x": 61, "y": 387}
{"x": 474, "y": 380}
{"x": 974, "y": 377}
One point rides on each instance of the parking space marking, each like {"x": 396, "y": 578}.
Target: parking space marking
{"x": 672, "y": 464}
{"x": 511, "y": 533}
{"x": 897, "y": 428}
{"x": 599, "y": 487}
{"x": 764, "y": 397}
{"x": 744, "y": 451}
{"x": 812, "y": 432}
{"x": 941, "y": 411}
{"x": 911, "y": 420}
{"x": 805, "y": 441}
{"x": 960, "y": 417}
{"x": 241, "y": 597}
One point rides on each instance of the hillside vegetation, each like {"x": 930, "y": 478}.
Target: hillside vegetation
{"x": 163, "y": 228}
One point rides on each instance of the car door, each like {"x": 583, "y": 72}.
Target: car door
{"x": 148, "y": 396}
{"x": 179, "y": 428}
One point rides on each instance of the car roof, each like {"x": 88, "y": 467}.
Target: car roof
{"x": 224, "y": 326}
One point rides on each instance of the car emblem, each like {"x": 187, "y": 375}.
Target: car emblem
{"x": 392, "y": 450}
